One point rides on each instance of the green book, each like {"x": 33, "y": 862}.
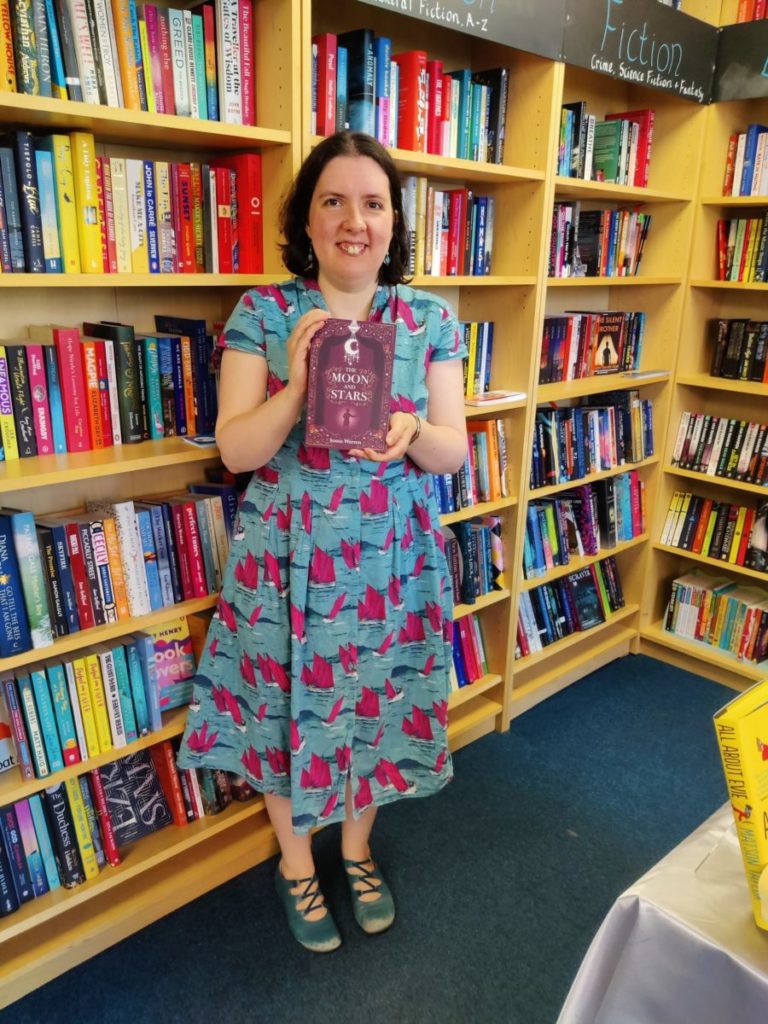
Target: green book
{"x": 605, "y": 161}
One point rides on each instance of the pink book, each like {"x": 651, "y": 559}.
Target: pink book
{"x": 38, "y": 389}
{"x": 155, "y": 56}
{"x": 435, "y": 105}
{"x": 109, "y": 216}
{"x": 73, "y": 391}
{"x": 166, "y": 66}
{"x": 327, "y": 48}
{"x": 102, "y": 213}
{"x": 245, "y": 8}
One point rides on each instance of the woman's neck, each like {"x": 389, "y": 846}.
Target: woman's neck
{"x": 347, "y": 305}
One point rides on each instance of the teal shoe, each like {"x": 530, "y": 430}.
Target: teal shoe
{"x": 373, "y": 915}
{"x": 320, "y": 935}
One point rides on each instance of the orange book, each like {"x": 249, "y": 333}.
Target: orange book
{"x": 126, "y": 54}
{"x": 164, "y": 761}
{"x": 93, "y": 394}
{"x": 119, "y": 589}
{"x": 701, "y": 526}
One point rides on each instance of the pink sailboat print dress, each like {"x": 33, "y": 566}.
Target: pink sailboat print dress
{"x": 327, "y": 659}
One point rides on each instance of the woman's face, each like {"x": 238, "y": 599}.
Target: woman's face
{"x": 350, "y": 222}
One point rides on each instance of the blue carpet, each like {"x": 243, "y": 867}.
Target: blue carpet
{"x": 501, "y": 880}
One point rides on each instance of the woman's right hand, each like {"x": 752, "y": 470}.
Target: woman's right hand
{"x": 298, "y": 349}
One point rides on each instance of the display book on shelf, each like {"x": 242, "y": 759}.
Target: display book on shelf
{"x": 707, "y": 583}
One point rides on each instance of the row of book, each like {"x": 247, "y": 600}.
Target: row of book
{"x": 60, "y": 574}
{"x": 616, "y": 149}
{"x": 718, "y": 529}
{"x": 65, "y": 209}
{"x": 587, "y": 343}
{"x": 484, "y": 475}
{"x": 596, "y": 243}
{"x": 478, "y": 337}
{"x": 740, "y": 349}
{"x": 742, "y": 249}
{"x": 719, "y": 613}
{"x": 599, "y": 434}
{"x": 68, "y": 833}
{"x": 746, "y": 162}
{"x": 475, "y": 556}
{"x": 721, "y": 446}
{"x": 470, "y": 662}
{"x": 63, "y": 712}
{"x": 751, "y": 10}
{"x": 62, "y": 391}
{"x": 450, "y": 231}
{"x": 572, "y": 604}
{"x": 193, "y": 62}
{"x": 585, "y": 521}
{"x": 407, "y": 100}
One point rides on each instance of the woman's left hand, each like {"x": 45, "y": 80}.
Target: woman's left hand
{"x": 402, "y": 427}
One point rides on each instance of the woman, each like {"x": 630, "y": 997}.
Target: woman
{"x": 329, "y": 691}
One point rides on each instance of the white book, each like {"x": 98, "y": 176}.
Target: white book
{"x": 680, "y": 439}
{"x": 111, "y": 693}
{"x": 89, "y": 83}
{"x": 166, "y": 236}
{"x": 179, "y": 61}
{"x": 34, "y": 731}
{"x": 114, "y": 408}
{"x": 131, "y": 553}
{"x": 219, "y": 532}
{"x": 738, "y": 164}
{"x": 437, "y": 230}
{"x": 669, "y": 522}
{"x": 746, "y": 449}
{"x": 213, "y": 228}
{"x": 717, "y": 446}
{"x": 74, "y": 703}
{"x": 228, "y": 58}
{"x": 394, "y": 91}
{"x": 192, "y": 83}
{"x": 137, "y": 216}
{"x": 589, "y": 147}
{"x": 121, "y": 214}
{"x": 103, "y": 45}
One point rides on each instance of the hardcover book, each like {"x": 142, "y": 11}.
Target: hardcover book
{"x": 350, "y": 375}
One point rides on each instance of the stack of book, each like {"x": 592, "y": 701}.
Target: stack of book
{"x": 111, "y": 563}
{"x": 470, "y": 662}
{"x": 584, "y": 344}
{"x": 407, "y": 100}
{"x": 730, "y": 532}
{"x": 746, "y": 162}
{"x": 192, "y": 62}
{"x": 719, "y": 613}
{"x": 740, "y": 349}
{"x": 574, "y": 603}
{"x": 478, "y": 337}
{"x": 720, "y": 446}
{"x": 66, "y": 209}
{"x": 617, "y": 149}
{"x": 596, "y": 243}
{"x": 475, "y": 557}
{"x": 67, "y": 391}
{"x": 751, "y": 10}
{"x": 484, "y": 475}
{"x": 450, "y": 231}
{"x": 742, "y": 249}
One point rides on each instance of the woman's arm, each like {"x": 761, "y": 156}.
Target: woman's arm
{"x": 442, "y": 443}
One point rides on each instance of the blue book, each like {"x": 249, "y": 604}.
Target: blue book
{"x": 124, "y": 693}
{"x": 12, "y": 209}
{"x": 27, "y": 550}
{"x": 342, "y": 101}
{"x": 46, "y": 717}
{"x": 10, "y": 837}
{"x": 9, "y": 901}
{"x": 150, "y": 205}
{"x": 54, "y": 400}
{"x": 5, "y": 244}
{"x": 229, "y": 500}
{"x": 383, "y": 55}
{"x": 177, "y": 372}
{"x": 31, "y": 847}
{"x": 144, "y": 523}
{"x": 475, "y": 119}
{"x": 198, "y": 46}
{"x": 147, "y": 344}
{"x": 196, "y": 331}
{"x": 481, "y": 213}
{"x": 458, "y": 660}
{"x": 29, "y": 200}
{"x": 360, "y": 79}
{"x": 145, "y": 645}
{"x": 44, "y": 841}
{"x": 58, "y": 75}
{"x": 54, "y": 263}
{"x": 63, "y": 570}
{"x": 464, "y": 79}
{"x": 754, "y": 131}
{"x": 14, "y": 625}
{"x": 139, "y": 62}
{"x": 161, "y": 549}
{"x": 138, "y": 691}
{"x": 62, "y": 710}
{"x": 167, "y": 397}
{"x": 32, "y": 725}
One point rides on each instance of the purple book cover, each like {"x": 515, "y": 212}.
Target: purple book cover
{"x": 350, "y": 377}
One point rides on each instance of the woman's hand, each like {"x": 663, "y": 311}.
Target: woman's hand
{"x": 402, "y": 427}
{"x": 298, "y": 349}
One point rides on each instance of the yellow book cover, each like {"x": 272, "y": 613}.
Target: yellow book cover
{"x": 8, "y": 436}
{"x": 736, "y": 540}
{"x": 7, "y": 60}
{"x": 60, "y": 148}
{"x": 98, "y": 702}
{"x": 137, "y": 217}
{"x": 146, "y": 59}
{"x": 742, "y": 735}
{"x": 709, "y": 531}
{"x": 421, "y": 223}
{"x": 119, "y": 588}
{"x": 87, "y": 202}
{"x": 86, "y": 707}
{"x": 82, "y": 828}
{"x": 471, "y": 359}
{"x": 121, "y": 214}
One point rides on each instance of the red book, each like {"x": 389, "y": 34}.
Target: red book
{"x": 412, "y": 100}
{"x": 468, "y": 650}
{"x": 248, "y": 83}
{"x": 749, "y": 519}
{"x": 224, "y": 219}
{"x": 38, "y": 392}
{"x": 701, "y": 526}
{"x": 350, "y": 377}
{"x": 434, "y": 105}
{"x": 74, "y": 396}
{"x": 457, "y": 221}
{"x": 249, "y": 210}
{"x": 79, "y": 576}
{"x": 327, "y": 49}
{"x": 166, "y": 65}
{"x": 198, "y": 216}
{"x": 109, "y": 841}
{"x": 194, "y": 548}
{"x": 181, "y": 184}
{"x": 101, "y": 439}
{"x": 102, "y": 212}
{"x": 165, "y": 765}
{"x": 730, "y": 163}
{"x": 645, "y": 120}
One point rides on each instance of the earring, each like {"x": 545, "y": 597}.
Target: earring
{"x": 310, "y": 255}
{"x": 387, "y": 260}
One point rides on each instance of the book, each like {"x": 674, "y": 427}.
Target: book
{"x": 135, "y": 800}
{"x": 174, "y": 663}
{"x": 496, "y": 397}
{"x": 350, "y": 377}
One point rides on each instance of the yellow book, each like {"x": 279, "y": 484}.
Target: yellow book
{"x": 60, "y": 148}
{"x": 738, "y": 531}
{"x": 82, "y": 828}
{"x": 7, "y": 59}
{"x": 742, "y": 735}
{"x": 98, "y": 702}
{"x": 710, "y": 530}
{"x": 471, "y": 359}
{"x": 116, "y": 569}
{"x": 87, "y": 202}
{"x": 147, "y": 61}
{"x": 86, "y": 706}
{"x": 137, "y": 218}
{"x": 421, "y": 223}
{"x": 8, "y": 436}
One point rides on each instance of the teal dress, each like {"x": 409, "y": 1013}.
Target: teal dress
{"x": 327, "y": 659}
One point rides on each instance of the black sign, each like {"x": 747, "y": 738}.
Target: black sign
{"x": 535, "y": 26}
{"x": 742, "y": 62}
{"x": 643, "y": 42}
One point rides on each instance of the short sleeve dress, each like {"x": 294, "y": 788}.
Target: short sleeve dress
{"x": 327, "y": 659}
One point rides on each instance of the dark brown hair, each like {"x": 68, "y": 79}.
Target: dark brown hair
{"x": 294, "y": 213}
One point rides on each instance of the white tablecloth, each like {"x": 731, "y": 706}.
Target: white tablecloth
{"x": 680, "y": 946}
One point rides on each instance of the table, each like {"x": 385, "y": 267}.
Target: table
{"x": 680, "y": 946}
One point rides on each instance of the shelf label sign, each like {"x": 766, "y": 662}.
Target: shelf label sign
{"x": 642, "y": 42}
{"x": 742, "y": 62}
{"x": 535, "y": 27}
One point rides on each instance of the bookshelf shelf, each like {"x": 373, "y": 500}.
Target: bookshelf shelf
{"x": 81, "y": 281}
{"x": 582, "y": 562}
{"x": 473, "y": 719}
{"x": 721, "y": 481}
{"x": 545, "y": 492}
{"x": 610, "y": 282}
{"x": 488, "y": 412}
{"x": 112, "y": 631}
{"x": 577, "y": 188}
{"x": 576, "y": 639}
{"x": 748, "y": 672}
{"x": 483, "y": 601}
{"x": 735, "y": 201}
{"x": 732, "y": 286}
{"x": 50, "y": 470}
{"x": 474, "y": 281}
{"x": 468, "y": 693}
{"x": 714, "y": 563}
{"x": 584, "y": 386}
{"x": 14, "y": 789}
{"x": 484, "y": 508}
{"x": 737, "y": 387}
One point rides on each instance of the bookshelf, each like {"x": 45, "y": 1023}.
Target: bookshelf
{"x": 696, "y": 390}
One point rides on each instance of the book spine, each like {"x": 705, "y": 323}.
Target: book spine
{"x": 82, "y": 829}
{"x": 44, "y": 841}
{"x": 47, "y": 718}
{"x": 87, "y": 202}
{"x": 111, "y": 852}
{"x": 65, "y": 722}
{"x": 10, "y": 692}
{"x": 29, "y": 200}
{"x": 98, "y": 701}
{"x": 85, "y": 703}
{"x": 124, "y": 692}
{"x": 112, "y": 694}
{"x": 31, "y": 847}
{"x": 33, "y": 729}
{"x": 63, "y": 838}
